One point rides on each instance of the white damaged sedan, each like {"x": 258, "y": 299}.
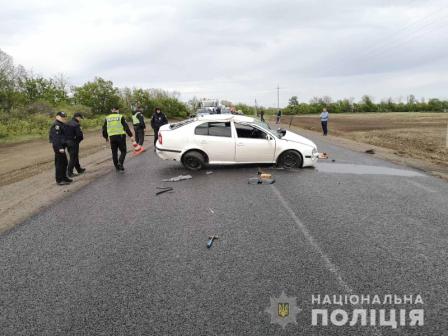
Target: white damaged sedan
{"x": 232, "y": 139}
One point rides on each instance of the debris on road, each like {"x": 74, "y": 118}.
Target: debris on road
{"x": 178, "y": 178}
{"x": 263, "y": 178}
{"x": 333, "y": 160}
{"x": 163, "y": 190}
{"x": 256, "y": 180}
{"x": 208, "y": 172}
{"x": 210, "y": 240}
{"x": 370, "y": 151}
{"x": 323, "y": 156}
{"x": 211, "y": 210}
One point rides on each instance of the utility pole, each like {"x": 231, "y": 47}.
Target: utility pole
{"x": 278, "y": 96}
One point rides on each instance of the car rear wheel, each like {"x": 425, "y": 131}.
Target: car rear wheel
{"x": 290, "y": 159}
{"x": 193, "y": 160}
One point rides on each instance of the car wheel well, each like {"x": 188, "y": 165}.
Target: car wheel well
{"x": 196, "y": 150}
{"x": 290, "y": 150}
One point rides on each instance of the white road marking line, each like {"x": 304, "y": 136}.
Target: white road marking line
{"x": 421, "y": 186}
{"x": 328, "y": 263}
{"x": 330, "y": 266}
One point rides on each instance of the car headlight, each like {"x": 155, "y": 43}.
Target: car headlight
{"x": 315, "y": 153}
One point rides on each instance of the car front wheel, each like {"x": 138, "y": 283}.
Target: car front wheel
{"x": 290, "y": 159}
{"x": 193, "y": 160}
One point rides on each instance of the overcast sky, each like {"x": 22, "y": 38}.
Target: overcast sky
{"x": 237, "y": 50}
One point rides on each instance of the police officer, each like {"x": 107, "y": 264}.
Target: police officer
{"x": 58, "y": 140}
{"x": 115, "y": 129}
{"x": 158, "y": 120}
{"x": 138, "y": 121}
{"x": 74, "y": 136}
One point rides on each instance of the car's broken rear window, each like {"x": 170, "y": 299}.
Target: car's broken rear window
{"x": 181, "y": 123}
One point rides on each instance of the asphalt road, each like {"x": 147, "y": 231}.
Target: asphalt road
{"x": 114, "y": 259}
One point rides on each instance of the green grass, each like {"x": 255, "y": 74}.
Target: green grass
{"x": 15, "y": 129}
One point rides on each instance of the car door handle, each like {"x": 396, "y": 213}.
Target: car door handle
{"x": 240, "y": 144}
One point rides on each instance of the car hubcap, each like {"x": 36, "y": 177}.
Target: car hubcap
{"x": 290, "y": 161}
{"x": 192, "y": 162}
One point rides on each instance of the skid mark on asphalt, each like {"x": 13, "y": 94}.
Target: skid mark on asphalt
{"x": 421, "y": 186}
{"x": 327, "y": 262}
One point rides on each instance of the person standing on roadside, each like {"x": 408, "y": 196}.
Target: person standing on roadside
{"x": 324, "y": 121}
{"x": 57, "y": 138}
{"x": 115, "y": 129}
{"x": 74, "y": 137}
{"x": 279, "y": 115}
{"x": 158, "y": 120}
{"x": 262, "y": 115}
{"x": 138, "y": 121}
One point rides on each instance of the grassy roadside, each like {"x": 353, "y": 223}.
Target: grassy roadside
{"x": 16, "y": 130}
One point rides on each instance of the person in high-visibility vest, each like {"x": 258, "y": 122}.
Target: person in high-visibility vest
{"x": 115, "y": 129}
{"x": 138, "y": 121}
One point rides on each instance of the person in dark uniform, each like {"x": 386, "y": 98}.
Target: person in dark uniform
{"x": 74, "y": 136}
{"x": 58, "y": 140}
{"x": 262, "y": 115}
{"x": 138, "y": 121}
{"x": 115, "y": 129}
{"x": 158, "y": 120}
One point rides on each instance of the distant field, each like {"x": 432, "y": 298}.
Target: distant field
{"x": 418, "y": 135}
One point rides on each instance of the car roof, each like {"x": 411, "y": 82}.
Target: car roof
{"x": 225, "y": 117}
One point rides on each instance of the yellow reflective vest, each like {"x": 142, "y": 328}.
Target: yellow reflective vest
{"x": 114, "y": 126}
{"x": 135, "y": 120}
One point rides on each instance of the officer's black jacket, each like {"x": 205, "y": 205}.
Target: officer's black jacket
{"x": 74, "y": 131}
{"x": 158, "y": 119}
{"x": 57, "y": 135}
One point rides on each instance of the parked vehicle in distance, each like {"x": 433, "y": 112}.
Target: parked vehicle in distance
{"x": 224, "y": 139}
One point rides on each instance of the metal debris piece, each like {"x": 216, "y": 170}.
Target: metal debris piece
{"x": 163, "y": 190}
{"x": 178, "y": 178}
{"x": 210, "y": 240}
{"x": 258, "y": 180}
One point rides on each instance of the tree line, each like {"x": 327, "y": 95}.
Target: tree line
{"x": 366, "y": 104}
{"x": 22, "y": 92}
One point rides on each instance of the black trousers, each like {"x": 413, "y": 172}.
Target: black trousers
{"x": 324, "y": 127}
{"x": 156, "y": 135}
{"x": 73, "y": 152}
{"x": 139, "y": 135}
{"x": 118, "y": 142}
{"x": 60, "y": 163}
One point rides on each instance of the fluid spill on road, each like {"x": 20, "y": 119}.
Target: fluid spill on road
{"x": 348, "y": 168}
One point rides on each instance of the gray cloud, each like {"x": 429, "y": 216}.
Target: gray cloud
{"x": 237, "y": 50}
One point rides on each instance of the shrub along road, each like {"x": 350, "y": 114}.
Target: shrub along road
{"x": 113, "y": 258}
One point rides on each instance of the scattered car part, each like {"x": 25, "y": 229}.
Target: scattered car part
{"x": 210, "y": 240}
{"x": 178, "y": 178}
{"x": 163, "y": 190}
{"x": 370, "y": 151}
